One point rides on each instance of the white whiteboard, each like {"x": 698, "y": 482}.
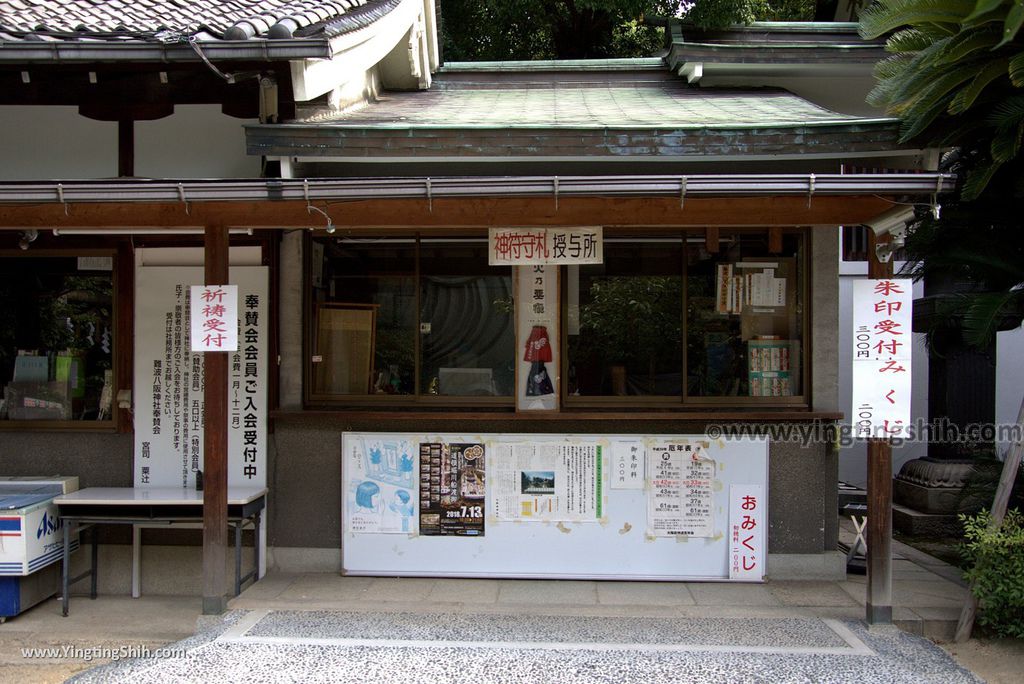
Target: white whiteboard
{"x": 616, "y": 547}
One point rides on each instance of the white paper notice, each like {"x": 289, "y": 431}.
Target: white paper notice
{"x": 547, "y": 482}
{"x": 628, "y": 470}
{"x": 680, "y": 500}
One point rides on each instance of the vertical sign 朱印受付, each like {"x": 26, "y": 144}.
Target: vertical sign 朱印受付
{"x": 882, "y": 342}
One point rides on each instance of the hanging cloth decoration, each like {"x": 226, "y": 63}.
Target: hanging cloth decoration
{"x": 538, "y": 347}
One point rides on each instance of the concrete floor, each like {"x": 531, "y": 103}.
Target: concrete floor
{"x": 792, "y": 630}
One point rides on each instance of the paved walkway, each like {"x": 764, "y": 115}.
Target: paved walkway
{"x": 324, "y": 627}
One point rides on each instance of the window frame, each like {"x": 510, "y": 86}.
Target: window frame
{"x": 684, "y": 399}
{"x": 416, "y": 400}
{"x": 114, "y": 423}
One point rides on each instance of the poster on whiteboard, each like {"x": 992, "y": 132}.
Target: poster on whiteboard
{"x": 168, "y": 388}
{"x": 380, "y": 486}
{"x": 680, "y": 499}
{"x": 453, "y": 479}
{"x": 547, "y": 482}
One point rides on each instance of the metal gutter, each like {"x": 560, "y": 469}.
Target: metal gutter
{"x": 738, "y": 185}
{"x": 221, "y": 50}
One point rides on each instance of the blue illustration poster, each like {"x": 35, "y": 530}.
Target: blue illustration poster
{"x": 381, "y": 487}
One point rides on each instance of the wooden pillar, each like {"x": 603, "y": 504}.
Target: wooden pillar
{"x": 879, "y": 555}
{"x": 215, "y": 443}
{"x": 711, "y": 239}
{"x": 125, "y": 148}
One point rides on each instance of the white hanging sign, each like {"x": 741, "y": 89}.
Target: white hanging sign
{"x": 169, "y": 378}
{"x": 882, "y": 343}
{"x": 213, "y": 317}
{"x": 532, "y": 246}
{"x": 746, "y": 532}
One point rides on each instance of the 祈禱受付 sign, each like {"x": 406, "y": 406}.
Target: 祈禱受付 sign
{"x": 529, "y": 246}
{"x": 213, "y": 314}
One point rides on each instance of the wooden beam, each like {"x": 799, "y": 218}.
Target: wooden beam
{"x": 774, "y": 240}
{"x": 215, "y": 443}
{"x": 878, "y": 604}
{"x": 448, "y": 213}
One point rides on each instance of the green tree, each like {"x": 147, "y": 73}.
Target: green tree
{"x": 584, "y": 29}
{"x": 954, "y": 79}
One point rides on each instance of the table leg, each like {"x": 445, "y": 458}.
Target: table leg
{"x": 66, "y": 573}
{"x": 256, "y": 546}
{"x": 238, "y": 557}
{"x": 136, "y": 561}
{"x": 95, "y": 558}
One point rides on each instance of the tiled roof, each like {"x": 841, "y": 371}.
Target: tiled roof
{"x": 141, "y": 19}
{"x": 524, "y": 115}
{"x": 644, "y": 100}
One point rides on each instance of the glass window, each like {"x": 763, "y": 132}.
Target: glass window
{"x": 56, "y": 338}
{"x": 365, "y": 296}
{"x": 625, "y": 320}
{"x": 467, "y": 333}
{"x": 744, "y": 318}
{"x": 387, "y": 312}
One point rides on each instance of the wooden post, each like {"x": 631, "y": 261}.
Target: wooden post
{"x": 879, "y": 554}
{"x": 215, "y": 443}
{"x": 711, "y": 239}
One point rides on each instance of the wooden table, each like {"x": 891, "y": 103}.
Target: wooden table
{"x": 151, "y": 506}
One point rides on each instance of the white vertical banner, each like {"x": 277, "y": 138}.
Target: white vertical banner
{"x": 747, "y": 532}
{"x": 168, "y": 387}
{"x": 537, "y": 335}
{"x": 212, "y": 314}
{"x": 882, "y": 343}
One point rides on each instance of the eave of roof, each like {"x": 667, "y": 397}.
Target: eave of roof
{"x": 785, "y": 47}
{"x": 271, "y": 30}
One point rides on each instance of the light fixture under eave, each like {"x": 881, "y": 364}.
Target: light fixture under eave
{"x": 67, "y": 232}
{"x": 27, "y": 238}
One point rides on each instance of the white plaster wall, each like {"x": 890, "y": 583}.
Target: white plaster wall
{"x": 843, "y": 94}
{"x": 197, "y": 141}
{"x": 1009, "y": 377}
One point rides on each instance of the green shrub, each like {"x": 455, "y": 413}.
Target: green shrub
{"x": 995, "y": 559}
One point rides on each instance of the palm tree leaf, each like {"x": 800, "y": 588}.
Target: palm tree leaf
{"x": 1014, "y": 20}
{"x": 981, "y": 9}
{"x": 967, "y": 42}
{"x": 883, "y": 17}
{"x": 983, "y": 313}
{"x": 933, "y": 101}
{"x": 908, "y": 40}
{"x": 1006, "y": 143}
{"x": 1017, "y": 70}
{"x": 963, "y": 100}
{"x": 1007, "y": 113}
{"x": 978, "y": 179}
{"x": 892, "y": 66}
